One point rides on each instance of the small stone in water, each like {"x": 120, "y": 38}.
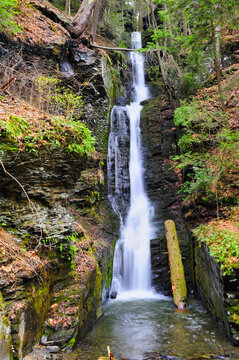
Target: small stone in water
{"x": 113, "y": 295}
{"x": 44, "y": 339}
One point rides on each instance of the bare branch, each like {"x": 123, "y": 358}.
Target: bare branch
{"x": 118, "y": 48}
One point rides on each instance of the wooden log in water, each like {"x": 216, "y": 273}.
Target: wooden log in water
{"x": 178, "y": 282}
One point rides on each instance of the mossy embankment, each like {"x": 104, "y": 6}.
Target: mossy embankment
{"x": 208, "y": 148}
{"x": 54, "y": 302}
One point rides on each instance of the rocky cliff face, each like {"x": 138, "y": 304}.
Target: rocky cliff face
{"x": 159, "y": 145}
{"x": 60, "y": 281}
{"x": 53, "y": 262}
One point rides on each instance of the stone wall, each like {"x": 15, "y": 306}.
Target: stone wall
{"x": 220, "y": 293}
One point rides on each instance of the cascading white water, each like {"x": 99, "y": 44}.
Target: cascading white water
{"x": 132, "y": 265}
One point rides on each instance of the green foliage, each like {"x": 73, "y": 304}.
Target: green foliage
{"x": 59, "y": 131}
{"x": 15, "y": 127}
{"x": 116, "y": 17}
{"x": 55, "y": 98}
{"x": 8, "y": 8}
{"x": 93, "y": 197}
{"x": 71, "y": 135}
{"x": 200, "y": 184}
{"x": 206, "y": 171}
{"x": 223, "y": 244}
{"x": 187, "y": 33}
{"x": 60, "y": 4}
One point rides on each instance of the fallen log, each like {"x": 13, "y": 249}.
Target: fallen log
{"x": 178, "y": 282}
{"x": 117, "y": 48}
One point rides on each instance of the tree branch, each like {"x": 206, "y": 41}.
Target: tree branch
{"x": 9, "y": 82}
{"x": 117, "y": 48}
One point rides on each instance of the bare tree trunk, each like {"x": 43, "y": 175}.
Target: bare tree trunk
{"x": 138, "y": 15}
{"x": 96, "y": 17}
{"x": 82, "y": 17}
{"x": 163, "y": 60}
{"x": 185, "y": 28}
{"x": 217, "y": 62}
{"x": 68, "y": 7}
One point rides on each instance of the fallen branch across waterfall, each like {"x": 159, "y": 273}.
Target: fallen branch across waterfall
{"x": 116, "y": 48}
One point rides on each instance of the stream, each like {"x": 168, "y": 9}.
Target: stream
{"x": 143, "y": 328}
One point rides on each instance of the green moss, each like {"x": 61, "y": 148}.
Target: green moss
{"x": 98, "y": 281}
{"x": 176, "y": 267}
{"x": 39, "y": 297}
{"x": 201, "y": 273}
{"x": 57, "y": 50}
{"x": 7, "y": 146}
{"x": 5, "y": 336}
{"x": 71, "y": 342}
{"x": 1, "y": 301}
{"x": 234, "y": 314}
{"x": 109, "y": 267}
{"x": 233, "y": 318}
{"x": 150, "y": 107}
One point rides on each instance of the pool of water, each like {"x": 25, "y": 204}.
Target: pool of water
{"x": 139, "y": 328}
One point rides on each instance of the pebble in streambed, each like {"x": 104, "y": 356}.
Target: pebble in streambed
{"x": 44, "y": 353}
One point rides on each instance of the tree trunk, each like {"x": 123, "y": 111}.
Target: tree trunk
{"x": 176, "y": 267}
{"x": 218, "y": 70}
{"x": 185, "y": 27}
{"x": 82, "y": 17}
{"x": 96, "y": 17}
{"x": 68, "y": 7}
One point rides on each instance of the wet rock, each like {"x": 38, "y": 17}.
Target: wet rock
{"x": 121, "y": 101}
{"x": 44, "y": 340}
{"x": 219, "y": 292}
{"x": 66, "y": 70}
{"x": 113, "y": 295}
{"x": 5, "y": 338}
{"x": 118, "y": 161}
{"x": 162, "y": 184}
{"x": 42, "y": 353}
{"x": 53, "y": 349}
{"x": 81, "y": 54}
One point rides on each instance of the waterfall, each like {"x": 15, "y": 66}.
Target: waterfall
{"x": 132, "y": 265}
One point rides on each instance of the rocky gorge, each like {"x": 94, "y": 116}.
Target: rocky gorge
{"x": 58, "y": 229}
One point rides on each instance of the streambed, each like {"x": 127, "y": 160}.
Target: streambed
{"x": 140, "y": 328}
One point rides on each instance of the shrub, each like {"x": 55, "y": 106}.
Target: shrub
{"x": 57, "y": 99}
{"x": 223, "y": 245}
{"x": 74, "y": 136}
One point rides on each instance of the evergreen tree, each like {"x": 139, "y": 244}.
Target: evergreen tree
{"x": 190, "y": 31}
